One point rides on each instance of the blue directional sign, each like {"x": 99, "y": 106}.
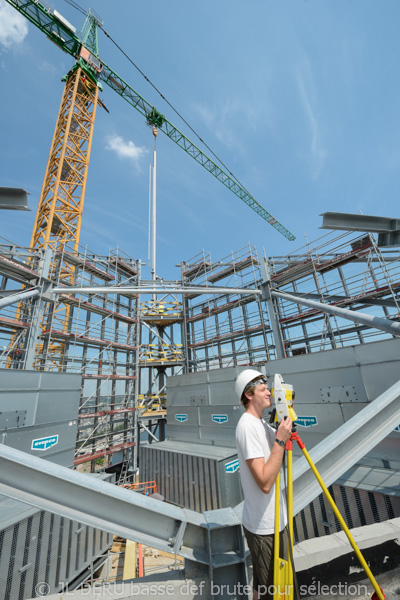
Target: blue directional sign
{"x": 233, "y": 466}
{"x": 306, "y": 421}
{"x": 44, "y": 443}
{"x": 220, "y": 418}
{"x": 181, "y": 418}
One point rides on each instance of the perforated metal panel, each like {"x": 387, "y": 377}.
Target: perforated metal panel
{"x": 41, "y": 552}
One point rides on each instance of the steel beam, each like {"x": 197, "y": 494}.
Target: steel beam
{"x": 375, "y": 322}
{"x": 96, "y": 503}
{"x": 371, "y": 301}
{"x": 123, "y": 512}
{"x": 356, "y": 222}
{"x": 8, "y": 300}
{"x": 13, "y": 199}
{"x": 153, "y": 290}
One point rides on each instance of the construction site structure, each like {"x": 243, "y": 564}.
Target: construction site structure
{"x": 125, "y": 338}
{"x": 125, "y": 344}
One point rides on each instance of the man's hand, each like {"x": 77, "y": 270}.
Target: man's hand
{"x": 284, "y": 430}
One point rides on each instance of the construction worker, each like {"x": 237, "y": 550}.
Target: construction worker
{"x": 161, "y": 309}
{"x": 260, "y": 452}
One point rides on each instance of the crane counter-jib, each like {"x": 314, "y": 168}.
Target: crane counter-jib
{"x": 63, "y": 34}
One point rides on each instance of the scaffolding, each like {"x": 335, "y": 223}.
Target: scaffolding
{"x": 230, "y": 329}
{"x": 125, "y": 344}
{"x": 122, "y": 347}
{"x": 338, "y": 270}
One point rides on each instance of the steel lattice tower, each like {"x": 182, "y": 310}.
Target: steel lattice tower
{"x": 59, "y": 214}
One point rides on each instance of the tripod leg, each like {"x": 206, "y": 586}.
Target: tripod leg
{"x": 378, "y": 591}
{"x": 277, "y": 560}
{"x": 283, "y": 570}
{"x": 289, "y": 456}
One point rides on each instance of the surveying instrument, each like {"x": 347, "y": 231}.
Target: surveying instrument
{"x": 282, "y": 396}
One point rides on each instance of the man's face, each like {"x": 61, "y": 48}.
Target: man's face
{"x": 262, "y": 396}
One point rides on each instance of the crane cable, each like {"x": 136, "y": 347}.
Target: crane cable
{"x": 174, "y": 109}
{"x": 75, "y": 5}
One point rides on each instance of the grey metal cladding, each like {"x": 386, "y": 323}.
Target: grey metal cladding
{"x": 175, "y": 432}
{"x": 380, "y": 367}
{"x": 199, "y": 399}
{"x": 225, "y": 437}
{"x": 182, "y": 396}
{"x": 12, "y": 419}
{"x": 45, "y": 396}
{"x": 22, "y": 380}
{"x": 219, "y": 416}
{"x": 230, "y": 486}
{"x": 227, "y": 375}
{"x": 216, "y": 386}
{"x": 310, "y": 363}
{"x": 182, "y": 416}
{"x": 38, "y": 546}
{"x": 377, "y": 352}
{"x": 223, "y": 393}
{"x": 60, "y": 381}
{"x": 57, "y": 405}
{"x": 62, "y": 453}
{"x": 12, "y": 399}
{"x": 339, "y": 393}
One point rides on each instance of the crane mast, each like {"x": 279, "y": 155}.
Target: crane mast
{"x": 60, "y": 207}
{"x": 59, "y": 214}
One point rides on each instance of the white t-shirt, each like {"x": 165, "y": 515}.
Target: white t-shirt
{"x": 255, "y": 439}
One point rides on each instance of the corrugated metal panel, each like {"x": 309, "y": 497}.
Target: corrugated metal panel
{"x": 195, "y": 479}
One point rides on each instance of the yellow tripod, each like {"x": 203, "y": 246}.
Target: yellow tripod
{"x": 283, "y": 569}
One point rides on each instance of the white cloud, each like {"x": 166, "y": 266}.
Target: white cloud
{"x": 48, "y": 67}
{"x": 125, "y": 149}
{"x": 224, "y": 118}
{"x": 305, "y": 83}
{"x": 13, "y": 26}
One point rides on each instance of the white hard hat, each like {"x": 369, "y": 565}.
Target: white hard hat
{"x": 244, "y": 378}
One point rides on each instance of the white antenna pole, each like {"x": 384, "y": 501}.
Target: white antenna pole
{"x": 149, "y": 240}
{"x": 154, "y": 222}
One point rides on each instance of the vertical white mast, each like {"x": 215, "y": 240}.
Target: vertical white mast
{"x": 154, "y": 220}
{"x": 149, "y": 240}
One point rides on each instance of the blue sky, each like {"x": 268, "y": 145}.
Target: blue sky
{"x": 299, "y": 98}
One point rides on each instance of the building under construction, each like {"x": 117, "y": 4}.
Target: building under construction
{"x": 142, "y": 364}
{"x": 113, "y": 378}
{"x": 124, "y": 345}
